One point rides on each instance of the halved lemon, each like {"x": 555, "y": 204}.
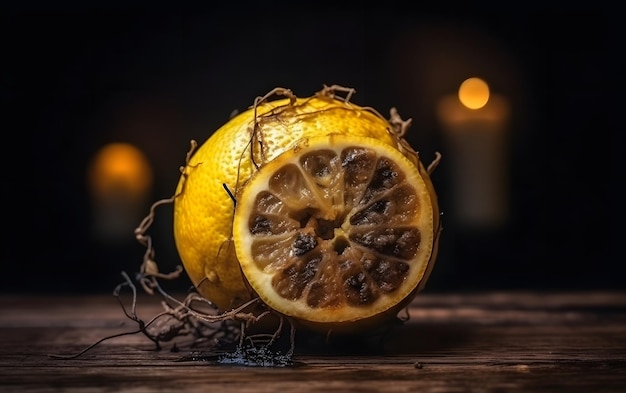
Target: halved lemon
{"x": 337, "y": 232}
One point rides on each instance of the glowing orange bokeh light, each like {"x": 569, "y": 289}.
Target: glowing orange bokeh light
{"x": 120, "y": 168}
{"x": 474, "y": 93}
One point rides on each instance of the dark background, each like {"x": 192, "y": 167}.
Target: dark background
{"x": 77, "y": 77}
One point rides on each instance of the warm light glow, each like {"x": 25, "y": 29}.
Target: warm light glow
{"x": 120, "y": 169}
{"x": 474, "y": 93}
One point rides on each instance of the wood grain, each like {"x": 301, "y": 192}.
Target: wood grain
{"x": 480, "y": 342}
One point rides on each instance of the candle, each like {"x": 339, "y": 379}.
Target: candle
{"x": 474, "y": 124}
{"x": 120, "y": 178}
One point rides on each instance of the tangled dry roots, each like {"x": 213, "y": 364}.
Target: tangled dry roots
{"x": 194, "y": 322}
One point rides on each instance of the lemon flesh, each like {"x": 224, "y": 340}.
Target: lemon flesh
{"x": 338, "y": 229}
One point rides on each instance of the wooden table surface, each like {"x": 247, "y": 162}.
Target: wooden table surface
{"x": 481, "y": 342}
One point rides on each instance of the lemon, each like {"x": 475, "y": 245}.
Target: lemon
{"x": 279, "y": 172}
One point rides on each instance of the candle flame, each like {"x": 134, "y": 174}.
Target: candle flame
{"x": 474, "y": 93}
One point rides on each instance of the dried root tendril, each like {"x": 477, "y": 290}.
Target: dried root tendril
{"x": 400, "y": 128}
{"x": 431, "y": 167}
{"x": 195, "y": 318}
{"x": 179, "y": 320}
{"x": 256, "y": 142}
{"x": 256, "y": 146}
{"x": 329, "y": 91}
